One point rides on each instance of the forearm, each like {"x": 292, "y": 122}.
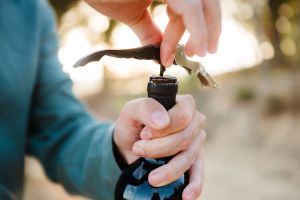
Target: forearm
{"x": 74, "y": 149}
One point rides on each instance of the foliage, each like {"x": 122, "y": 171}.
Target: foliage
{"x": 245, "y": 94}
{"x": 275, "y": 104}
{"x": 277, "y": 22}
{"x": 61, "y": 7}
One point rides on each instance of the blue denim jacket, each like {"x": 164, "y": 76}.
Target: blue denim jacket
{"x": 40, "y": 116}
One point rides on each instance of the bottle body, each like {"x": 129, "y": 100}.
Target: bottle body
{"x": 133, "y": 183}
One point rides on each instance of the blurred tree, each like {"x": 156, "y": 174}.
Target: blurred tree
{"x": 275, "y": 21}
{"x": 62, "y": 6}
{"x": 285, "y": 31}
{"x": 285, "y": 37}
{"x": 274, "y": 35}
{"x": 108, "y": 33}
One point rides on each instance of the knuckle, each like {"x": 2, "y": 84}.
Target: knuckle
{"x": 171, "y": 173}
{"x": 201, "y": 36}
{"x": 183, "y": 117}
{"x": 128, "y": 105}
{"x": 185, "y": 140}
{"x": 191, "y": 6}
{"x": 147, "y": 105}
{"x": 127, "y": 109}
{"x": 145, "y": 102}
{"x": 133, "y": 104}
{"x": 198, "y": 190}
{"x": 189, "y": 98}
{"x": 190, "y": 158}
{"x": 201, "y": 119}
{"x": 202, "y": 116}
{"x": 204, "y": 37}
{"x": 194, "y": 5}
{"x": 148, "y": 151}
{"x": 167, "y": 46}
{"x": 184, "y": 143}
{"x": 216, "y": 30}
{"x": 202, "y": 136}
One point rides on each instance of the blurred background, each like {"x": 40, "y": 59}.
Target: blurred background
{"x": 253, "y": 121}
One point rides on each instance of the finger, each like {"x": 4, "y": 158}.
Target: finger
{"x": 193, "y": 190}
{"x": 176, "y": 167}
{"x": 212, "y": 12}
{"x": 195, "y": 23}
{"x": 146, "y": 112}
{"x": 193, "y": 19}
{"x": 146, "y": 30}
{"x": 148, "y": 133}
{"x": 171, "y": 37}
{"x": 169, "y": 145}
{"x": 181, "y": 115}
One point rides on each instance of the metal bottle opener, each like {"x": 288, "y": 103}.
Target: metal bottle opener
{"x": 152, "y": 52}
{"x": 194, "y": 68}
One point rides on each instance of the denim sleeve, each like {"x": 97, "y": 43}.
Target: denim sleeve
{"x": 74, "y": 149}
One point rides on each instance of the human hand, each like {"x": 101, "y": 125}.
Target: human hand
{"x": 145, "y": 129}
{"x": 201, "y": 18}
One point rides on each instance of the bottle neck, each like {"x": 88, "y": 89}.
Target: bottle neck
{"x": 163, "y": 89}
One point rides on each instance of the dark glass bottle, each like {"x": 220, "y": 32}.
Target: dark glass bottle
{"x": 133, "y": 183}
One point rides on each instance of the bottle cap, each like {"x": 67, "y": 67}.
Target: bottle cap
{"x": 165, "y": 85}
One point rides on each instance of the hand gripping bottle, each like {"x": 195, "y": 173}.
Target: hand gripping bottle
{"x": 133, "y": 183}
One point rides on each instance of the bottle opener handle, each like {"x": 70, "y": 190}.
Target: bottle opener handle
{"x": 152, "y": 52}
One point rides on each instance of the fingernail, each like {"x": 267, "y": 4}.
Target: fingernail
{"x": 191, "y": 196}
{"x": 170, "y": 60}
{"x": 159, "y": 119}
{"x": 146, "y": 135}
{"x": 138, "y": 150}
{"x": 157, "y": 178}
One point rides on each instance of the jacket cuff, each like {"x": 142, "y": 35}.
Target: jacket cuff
{"x": 119, "y": 158}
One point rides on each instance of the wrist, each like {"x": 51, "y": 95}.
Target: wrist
{"x": 125, "y": 157}
{"x": 119, "y": 158}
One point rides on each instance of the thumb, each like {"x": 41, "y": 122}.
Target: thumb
{"x": 135, "y": 115}
{"x": 146, "y": 112}
{"x": 146, "y": 30}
